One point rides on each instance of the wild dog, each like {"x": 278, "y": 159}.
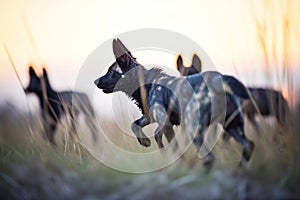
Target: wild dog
{"x": 269, "y": 102}
{"x": 54, "y": 104}
{"x": 157, "y": 95}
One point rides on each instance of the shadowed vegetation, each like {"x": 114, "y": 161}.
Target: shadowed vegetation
{"x": 31, "y": 168}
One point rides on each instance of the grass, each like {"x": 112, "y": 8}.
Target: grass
{"x": 30, "y": 165}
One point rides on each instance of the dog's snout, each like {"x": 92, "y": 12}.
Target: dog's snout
{"x": 96, "y": 82}
{"x": 99, "y": 83}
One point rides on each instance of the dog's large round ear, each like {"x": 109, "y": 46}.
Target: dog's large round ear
{"x": 196, "y": 63}
{"x": 179, "y": 63}
{"x": 31, "y": 71}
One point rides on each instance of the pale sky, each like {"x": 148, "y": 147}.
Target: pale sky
{"x": 61, "y": 35}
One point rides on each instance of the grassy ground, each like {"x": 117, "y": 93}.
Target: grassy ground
{"x": 31, "y": 169}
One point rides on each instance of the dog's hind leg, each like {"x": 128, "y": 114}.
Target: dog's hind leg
{"x": 50, "y": 127}
{"x": 170, "y": 135}
{"x": 158, "y": 136}
{"x": 208, "y": 157}
{"x": 136, "y": 127}
{"x": 197, "y": 117}
{"x": 50, "y": 131}
{"x": 167, "y": 130}
{"x": 248, "y": 146}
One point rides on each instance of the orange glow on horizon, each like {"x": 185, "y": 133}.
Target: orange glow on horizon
{"x": 239, "y": 36}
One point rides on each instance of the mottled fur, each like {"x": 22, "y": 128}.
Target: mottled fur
{"x": 269, "y": 102}
{"x": 164, "y": 99}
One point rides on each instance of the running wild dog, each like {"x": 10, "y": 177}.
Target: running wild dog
{"x": 269, "y": 102}
{"x": 157, "y": 95}
{"x": 54, "y": 104}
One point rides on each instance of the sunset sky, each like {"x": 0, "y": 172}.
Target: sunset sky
{"x": 237, "y": 35}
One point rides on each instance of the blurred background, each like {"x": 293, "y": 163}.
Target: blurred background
{"x": 256, "y": 41}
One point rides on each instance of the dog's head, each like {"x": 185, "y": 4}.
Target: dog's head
{"x": 117, "y": 71}
{"x": 195, "y": 68}
{"x": 36, "y": 83}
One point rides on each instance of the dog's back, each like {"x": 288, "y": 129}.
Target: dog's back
{"x": 269, "y": 102}
{"x": 77, "y": 101}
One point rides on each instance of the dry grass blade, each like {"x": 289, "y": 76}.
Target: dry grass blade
{"x": 13, "y": 66}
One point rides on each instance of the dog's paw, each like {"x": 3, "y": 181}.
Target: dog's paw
{"x": 145, "y": 142}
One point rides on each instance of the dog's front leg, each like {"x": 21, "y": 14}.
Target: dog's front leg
{"x": 137, "y": 126}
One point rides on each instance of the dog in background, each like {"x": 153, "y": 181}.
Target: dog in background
{"x": 54, "y": 104}
{"x": 269, "y": 102}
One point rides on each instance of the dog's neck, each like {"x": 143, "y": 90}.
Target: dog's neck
{"x": 47, "y": 96}
{"x": 139, "y": 81}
